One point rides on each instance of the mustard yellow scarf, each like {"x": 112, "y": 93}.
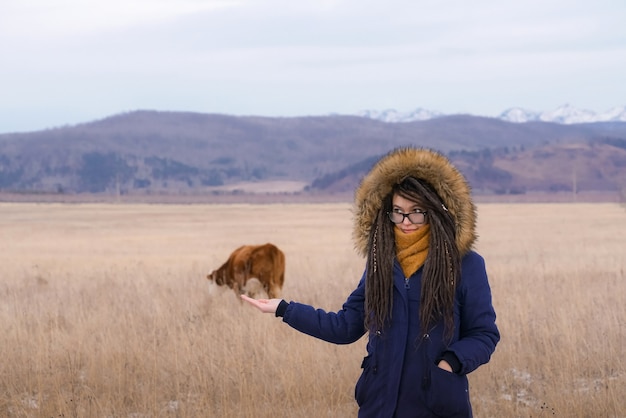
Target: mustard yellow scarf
{"x": 412, "y": 249}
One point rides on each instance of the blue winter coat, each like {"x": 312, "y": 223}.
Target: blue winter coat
{"x": 400, "y": 376}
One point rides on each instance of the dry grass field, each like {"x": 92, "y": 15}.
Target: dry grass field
{"x": 106, "y": 312}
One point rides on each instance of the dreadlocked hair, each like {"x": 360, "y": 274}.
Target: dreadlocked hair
{"x": 441, "y": 271}
{"x": 379, "y": 272}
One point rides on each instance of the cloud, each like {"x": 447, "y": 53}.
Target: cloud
{"x": 38, "y": 18}
{"x": 284, "y": 57}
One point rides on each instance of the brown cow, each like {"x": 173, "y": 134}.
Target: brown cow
{"x": 263, "y": 262}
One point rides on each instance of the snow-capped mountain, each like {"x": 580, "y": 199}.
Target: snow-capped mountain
{"x": 519, "y": 115}
{"x": 566, "y": 114}
{"x": 569, "y": 114}
{"x": 392, "y": 115}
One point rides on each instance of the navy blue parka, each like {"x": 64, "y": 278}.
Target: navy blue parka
{"x": 400, "y": 376}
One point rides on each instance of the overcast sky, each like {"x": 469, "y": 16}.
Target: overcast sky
{"x": 71, "y": 61}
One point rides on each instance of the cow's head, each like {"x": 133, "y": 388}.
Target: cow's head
{"x": 216, "y": 276}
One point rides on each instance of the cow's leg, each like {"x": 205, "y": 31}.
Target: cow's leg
{"x": 239, "y": 285}
{"x": 274, "y": 292}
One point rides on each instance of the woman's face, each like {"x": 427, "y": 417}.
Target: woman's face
{"x": 403, "y": 206}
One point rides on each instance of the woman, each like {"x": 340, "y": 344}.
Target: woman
{"x": 424, "y": 298}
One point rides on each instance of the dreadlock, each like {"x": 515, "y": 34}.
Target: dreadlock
{"x": 441, "y": 269}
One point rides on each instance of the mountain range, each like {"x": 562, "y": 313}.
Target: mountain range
{"x": 566, "y": 114}
{"x": 197, "y": 154}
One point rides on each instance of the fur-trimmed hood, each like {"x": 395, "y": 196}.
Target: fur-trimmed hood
{"x": 424, "y": 164}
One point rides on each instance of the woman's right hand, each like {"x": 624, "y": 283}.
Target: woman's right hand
{"x": 264, "y": 305}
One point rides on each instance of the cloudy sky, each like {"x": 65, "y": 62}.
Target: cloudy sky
{"x": 71, "y": 61}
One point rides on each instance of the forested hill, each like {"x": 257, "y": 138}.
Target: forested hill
{"x": 179, "y": 152}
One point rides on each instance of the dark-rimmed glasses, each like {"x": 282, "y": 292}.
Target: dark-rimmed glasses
{"x": 417, "y": 217}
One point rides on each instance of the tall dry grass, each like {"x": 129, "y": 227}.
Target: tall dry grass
{"x": 106, "y": 313}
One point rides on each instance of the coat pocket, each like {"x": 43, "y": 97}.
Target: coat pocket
{"x": 448, "y": 394}
{"x": 364, "y": 383}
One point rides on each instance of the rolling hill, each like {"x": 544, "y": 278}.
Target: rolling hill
{"x": 150, "y": 152}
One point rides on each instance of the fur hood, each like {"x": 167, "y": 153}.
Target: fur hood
{"x": 427, "y": 165}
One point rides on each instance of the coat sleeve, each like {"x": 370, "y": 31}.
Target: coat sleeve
{"x": 343, "y": 327}
{"x": 478, "y": 334}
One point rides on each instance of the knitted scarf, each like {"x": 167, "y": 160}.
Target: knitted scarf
{"x": 412, "y": 249}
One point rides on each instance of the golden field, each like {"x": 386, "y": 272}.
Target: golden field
{"x": 106, "y": 311}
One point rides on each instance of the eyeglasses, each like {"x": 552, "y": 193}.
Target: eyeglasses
{"x": 417, "y": 217}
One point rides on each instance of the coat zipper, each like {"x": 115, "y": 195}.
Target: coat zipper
{"x": 426, "y": 375}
